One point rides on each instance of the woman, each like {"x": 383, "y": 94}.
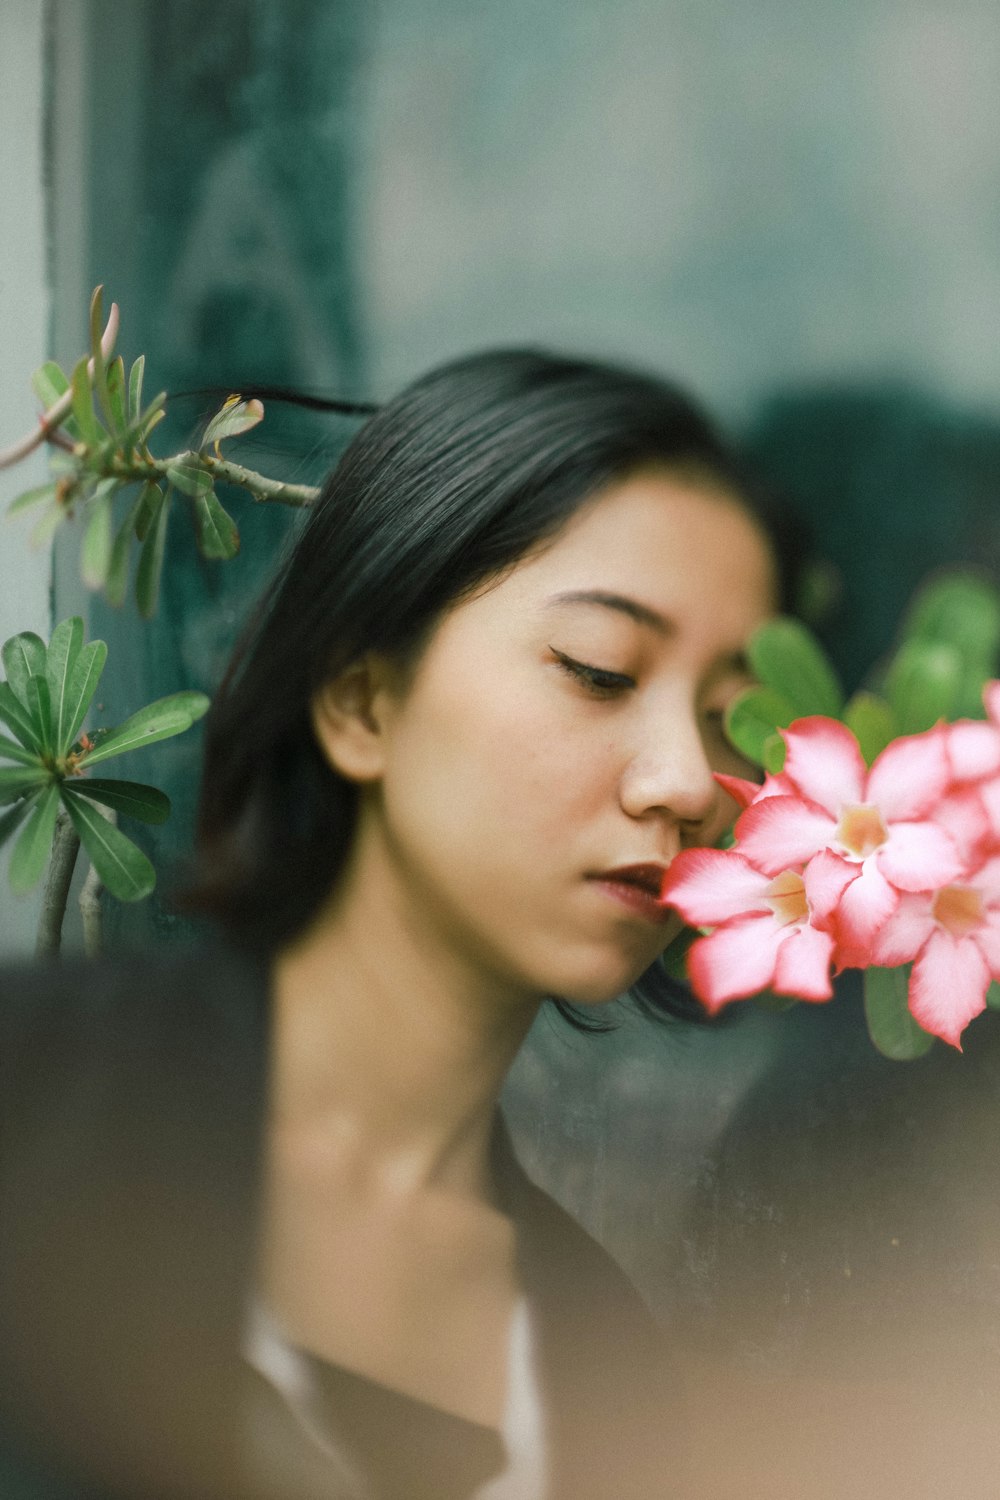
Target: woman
{"x": 472, "y": 725}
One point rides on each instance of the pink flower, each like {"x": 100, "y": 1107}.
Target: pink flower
{"x": 953, "y": 934}
{"x": 763, "y": 937}
{"x": 866, "y": 835}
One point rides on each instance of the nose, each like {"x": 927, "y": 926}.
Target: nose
{"x": 670, "y": 776}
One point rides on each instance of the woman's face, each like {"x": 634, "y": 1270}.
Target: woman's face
{"x": 554, "y": 748}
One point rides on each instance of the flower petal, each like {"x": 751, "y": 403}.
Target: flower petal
{"x": 919, "y": 857}
{"x": 867, "y": 903}
{"x": 824, "y": 762}
{"x": 948, "y": 986}
{"x": 826, "y": 878}
{"x": 742, "y": 791}
{"x": 803, "y": 964}
{"x": 779, "y": 832}
{"x": 713, "y": 885}
{"x": 973, "y": 750}
{"x": 734, "y": 961}
{"x": 987, "y": 940}
{"x": 963, "y": 815}
{"x": 910, "y": 776}
{"x": 901, "y": 938}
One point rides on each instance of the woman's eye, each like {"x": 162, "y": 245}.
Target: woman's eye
{"x": 596, "y": 680}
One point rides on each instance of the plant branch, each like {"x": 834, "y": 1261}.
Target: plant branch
{"x": 62, "y": 862}
{"x": 51, "y": 419}
{"x": 258, "y": 485}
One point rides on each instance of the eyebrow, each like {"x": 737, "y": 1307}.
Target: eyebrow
{"x": 641, "y": 613}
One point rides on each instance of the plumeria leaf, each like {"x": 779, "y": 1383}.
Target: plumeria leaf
{"x": 23, "y": 658}
{"x": 960, "y": 609}
{"x": 157, "y": 721}
{"x": 188, "y": 476}
{"x": 871, "y": 721}
{"x": 31, "y": 497}
{"x": 82, "y": 686}
{"x": 11, "y": 820}
{"x": 787, "y": 658}
{"x": 95, "y": 556}
{"x": 135, "y": 390}
{"x": 30, "y": 853}
{"x": 774, "y": 754}
{"x": 116, "y": 584}
{"x": 891, "y": 1027}
{"x": 147, "y": 577}
{"x": 124, "y": 869}
{"x": 83, "y": 406}
{"x": 20, "y": 781}
{"x": 753, "y": 717}
{"x": 49, "y": 383}
{"x": 235, "y": 416}
{"x": 61, "y": 658}
{"x": 923, "y": 685}
{"x": 218, "y": 537}
{"x": 117, "y": 397}
{"x": 46, "y": 527}
{"x": 146, "y": 803}
{"x": 150, "y": 500}
{"x": 40, "y": 708}
{"x": 19, "y": 718}
{"x": 993, "y": 996}
{"x": 11, "y": 750}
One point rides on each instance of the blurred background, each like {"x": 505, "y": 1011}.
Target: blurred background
{"x": 793, "y": 207}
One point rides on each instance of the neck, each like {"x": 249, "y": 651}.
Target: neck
{"x": 391, "y": 1047}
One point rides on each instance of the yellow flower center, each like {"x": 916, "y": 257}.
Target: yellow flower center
{"x": 861, "y": 830}
{"x": 958, "y": 909}
{"x": 787, "y": 898}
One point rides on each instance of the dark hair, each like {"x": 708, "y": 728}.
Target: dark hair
{"x": 446, "y": 486}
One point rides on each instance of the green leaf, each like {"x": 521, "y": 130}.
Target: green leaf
{"x": 11, "y": 820}
{"x": 234, "y": 416}
{"x": 40, "y": 709}
{"x": 157, "y": 721}
{"x": 768, "y": 1001}
{"x": 753, "y": 717}
{"x": 891, "y": 1027}
{"x": 49, "y": 384}
{"x": 960, "y": 608}
{"x": 30, "y": 853}
{"x": 19, "y": 782}
{"x": 11, "y": 750}
{"x": 82, "y": 686}
{"x": 48, "y": 525}
{"x": 83, "y": 405}
{"x": 187, "y": 474}
{"x": 61, "y": 658}
{"x": 788, "y": 659}
{"x": 95, "y": 554}
{"x": 31, "y": 497}
{"x": 23, "y": 658}
{"x": 674, "y": 956}
{"x": 218, "y": 537}
{"x": 774, "y": 754}
{"x": 147, "y": 803}
{"x": 153, "y": 415}
{"x": 19, "y": 718}
{"x": 150, "y": 500}
{"x": 135, "y": 390}
{"x": 147, "y": 578}
{"x": 922, "y": 685}
{"x": 871, "y": 721}
{"x": 993, "y": 996}
{"x": 116, "y": 585}
{"x": 117, "y": 396}
{"x": 124, "y": 869}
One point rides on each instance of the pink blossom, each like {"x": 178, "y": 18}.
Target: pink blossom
{"x": 873, "y": 827}
{"x": 952, "y": 935}
{"x": 763, "y": 937}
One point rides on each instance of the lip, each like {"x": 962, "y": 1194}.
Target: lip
{"x": 637, "y": 887}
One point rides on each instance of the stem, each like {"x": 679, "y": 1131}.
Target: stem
{"x": 55, "y": 414}
{"x": 261, "y": 488}
{"x": 62, "y": 861}
{"x": 90, "y": 901}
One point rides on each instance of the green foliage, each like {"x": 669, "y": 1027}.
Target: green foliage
{"x": 891, "y": 1027}
{"x": 788, "y": 659}
{"x": 44, "y": 702}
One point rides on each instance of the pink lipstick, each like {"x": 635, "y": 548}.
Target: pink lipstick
{"x": 637, "y": 887}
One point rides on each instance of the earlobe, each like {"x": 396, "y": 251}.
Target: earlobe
{"x": 347, "y": 720}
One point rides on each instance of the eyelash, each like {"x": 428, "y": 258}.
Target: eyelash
{"x": 598, "y": 681}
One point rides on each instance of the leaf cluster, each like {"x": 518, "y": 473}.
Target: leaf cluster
{"x": 44, "y": 703}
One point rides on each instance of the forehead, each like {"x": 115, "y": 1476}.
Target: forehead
{"x": 671, "y": 544}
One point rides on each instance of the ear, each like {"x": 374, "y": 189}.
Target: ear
{"x": 349, "y": 718}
